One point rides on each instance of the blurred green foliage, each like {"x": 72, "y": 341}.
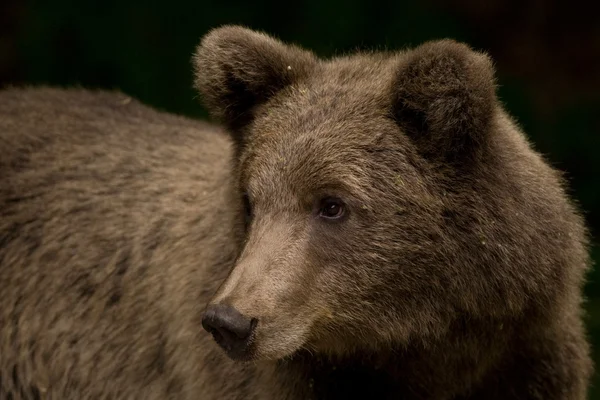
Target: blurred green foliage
{"x": 143, "y": 48}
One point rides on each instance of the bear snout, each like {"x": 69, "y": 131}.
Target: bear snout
{"x": 230, "y": 329}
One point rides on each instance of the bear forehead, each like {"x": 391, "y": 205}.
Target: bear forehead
{"x": 358, "y": 84}
{"x": 303, "y": 164}
{"x": 364, "y": 72}
{"x": 318, "y": 132}
{"x": 333, "y": 158}
{"x": 341, "y": 99}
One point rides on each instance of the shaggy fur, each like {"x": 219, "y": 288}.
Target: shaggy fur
{"x": 455, "y": 272}
{"x": 457, "y": 269}
{"x": 115, "y": 228}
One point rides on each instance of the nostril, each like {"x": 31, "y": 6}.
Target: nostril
{"x": 230, "y": 329}
{"x": 214, "y": 331}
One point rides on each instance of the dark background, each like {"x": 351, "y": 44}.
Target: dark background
{"x": 547, "y": 55}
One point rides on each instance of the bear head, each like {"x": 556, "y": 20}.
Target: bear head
{"x": 375, "y": 192}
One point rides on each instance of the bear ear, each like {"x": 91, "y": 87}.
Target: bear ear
{"x": 237, "y": 69}
{"x": 444, "y": 98}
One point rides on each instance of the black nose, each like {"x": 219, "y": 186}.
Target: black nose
{"x": 230, "y": 329}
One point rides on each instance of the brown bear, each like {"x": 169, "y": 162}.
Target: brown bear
{"x": 404, "y": 239}
{"x": 116, "y": 226}
{"x": 377, "y": 227}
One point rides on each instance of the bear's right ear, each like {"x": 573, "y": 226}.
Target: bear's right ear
{"x": 237, "y": 69}
{"x": 444, "y": 98}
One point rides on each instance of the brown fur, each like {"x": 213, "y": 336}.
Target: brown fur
{"x": 115, "y": 227}
{"x": 456, "y": 273}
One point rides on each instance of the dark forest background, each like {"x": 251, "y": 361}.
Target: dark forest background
{"x": 547, "y": 55}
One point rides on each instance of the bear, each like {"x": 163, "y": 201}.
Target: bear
{"x": 404, "y": 239}
{"x": 373, "y": 225}
{"x": 116, "y": 223}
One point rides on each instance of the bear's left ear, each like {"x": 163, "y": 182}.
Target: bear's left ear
{"x": 237, "y": 69}
{"x": 444, "y": 98}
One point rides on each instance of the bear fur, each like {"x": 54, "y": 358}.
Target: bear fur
{"x": 116, "y": 225}
{"x": 454, "y": 271}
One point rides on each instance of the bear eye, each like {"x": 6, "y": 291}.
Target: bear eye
{"x": 332, "y": 208}
{"x": 247, "y": 209}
